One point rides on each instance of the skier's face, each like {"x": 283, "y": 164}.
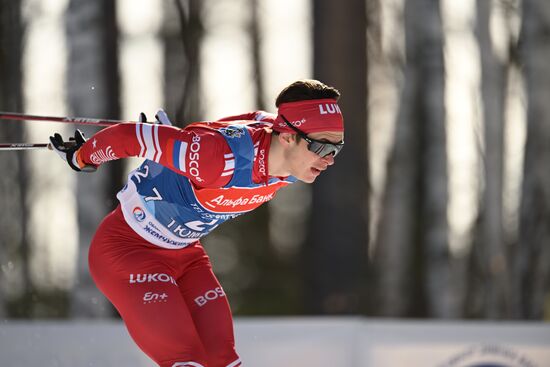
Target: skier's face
{"x": 307, "y": 165}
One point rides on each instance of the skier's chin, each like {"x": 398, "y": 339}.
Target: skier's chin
{"x": 308, "y": 178}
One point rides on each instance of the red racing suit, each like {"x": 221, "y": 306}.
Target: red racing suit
{"x": 146, "y": 257}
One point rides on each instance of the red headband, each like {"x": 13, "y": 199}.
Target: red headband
{"x": 310, "y": 116}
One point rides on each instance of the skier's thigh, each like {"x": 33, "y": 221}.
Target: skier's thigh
{"x": 158, "y": 319}
{"x": 211, "y": 314}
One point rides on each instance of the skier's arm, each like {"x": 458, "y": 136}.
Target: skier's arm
{"x": 197, "y": 153}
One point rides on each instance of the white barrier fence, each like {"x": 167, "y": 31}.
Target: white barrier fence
{"x": 294, "y": 342}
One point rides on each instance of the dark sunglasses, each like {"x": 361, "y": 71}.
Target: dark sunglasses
{"x": 321, "y": 148}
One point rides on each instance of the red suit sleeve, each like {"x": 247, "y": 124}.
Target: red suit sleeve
{"x": 200, "y": 154}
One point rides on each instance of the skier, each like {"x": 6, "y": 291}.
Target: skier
{"x": 146, "y": 256}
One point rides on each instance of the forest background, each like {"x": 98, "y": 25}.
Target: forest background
{"x": 438, "y": 207}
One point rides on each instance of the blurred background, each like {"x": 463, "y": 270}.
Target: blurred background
{"x": 438, "y": 207}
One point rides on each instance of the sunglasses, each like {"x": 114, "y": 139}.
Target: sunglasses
{"x": 321, "y": 148}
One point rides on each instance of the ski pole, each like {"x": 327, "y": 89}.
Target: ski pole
{"x": 66, "y": 120}
{"x": 31, "y": 146}
{"x": 24, "y": 146}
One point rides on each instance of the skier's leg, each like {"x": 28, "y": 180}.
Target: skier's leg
{"x": 140, "y": 281}
{"x": 211, "y": 314}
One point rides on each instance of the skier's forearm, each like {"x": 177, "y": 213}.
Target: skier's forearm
{"x": 115, "y": 142}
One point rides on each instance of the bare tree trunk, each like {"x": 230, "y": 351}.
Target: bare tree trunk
{"x": 397, "y": 238}
{"x": 532, "y": 260}
{"x": 183, "y": 33}
{"x": 426, "y": 15}
{"x": 335, "y": 254}
{"x": 14, "y": 242}
{"x": 412, "y": 258}
{"x": 256, "y": 41}
{"x": 92, "y": 91}
{"x": 493, "y": 286}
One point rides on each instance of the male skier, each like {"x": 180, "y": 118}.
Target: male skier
{"x": 146, "y": 256}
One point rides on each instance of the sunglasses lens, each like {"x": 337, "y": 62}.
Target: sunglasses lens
{"x": 337, "y": 149}
{"x": 324, "y": 149}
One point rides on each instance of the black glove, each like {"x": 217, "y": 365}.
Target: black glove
{"x": 67, "y": 150}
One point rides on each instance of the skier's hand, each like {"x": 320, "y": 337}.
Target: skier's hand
{"x": 161, "y": 117}
{"x": 67, "y": 150}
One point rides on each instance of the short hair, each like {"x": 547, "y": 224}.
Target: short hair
{"x": 306, "y": 89}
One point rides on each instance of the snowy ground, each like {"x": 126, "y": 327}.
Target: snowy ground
{"x": 293, "y": 342}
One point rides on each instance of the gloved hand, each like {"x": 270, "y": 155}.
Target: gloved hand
{"x": 67, "y": 150}
{"x": 160, "y": 116}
